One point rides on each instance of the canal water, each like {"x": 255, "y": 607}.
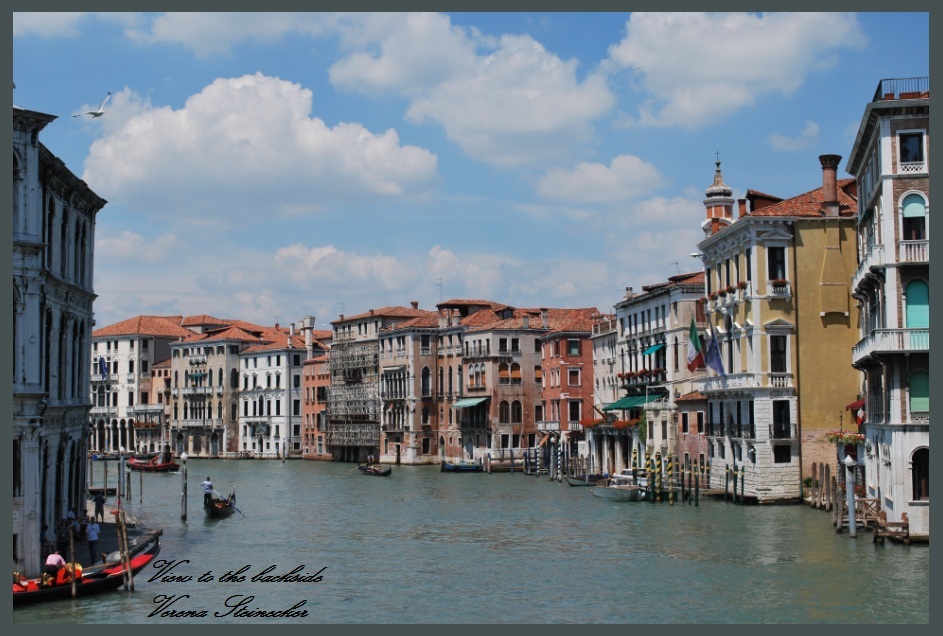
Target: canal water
{"x": 423, "y": 546}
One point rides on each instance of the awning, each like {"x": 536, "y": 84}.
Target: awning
{"x": 652, "y": 349}
{"x": 464, "y": 403}
{"x": 854, "y": 406}
{"x": 624, "y": 403}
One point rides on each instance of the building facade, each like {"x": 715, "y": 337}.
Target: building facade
{"x": 891, "y": 163}
{"x": 777, "y": 386}
{"x": 53, "y": 242}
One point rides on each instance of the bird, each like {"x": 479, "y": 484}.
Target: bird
{"x": 99, "y": 111}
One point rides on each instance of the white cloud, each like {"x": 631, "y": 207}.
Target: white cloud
{"x": 216, "y": 33}
{"x": 247, "y": 145}
{"x": 804, "y": 139}
{"x": 130, "y": 245}
{"x": 699, "y": 68}
{"x": 47, "y": 25}
{"x": 626, "y": 177}
{"x": 328, "y": 266}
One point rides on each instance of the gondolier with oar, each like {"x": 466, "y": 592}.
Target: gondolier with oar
{"x": 207, "y": 491}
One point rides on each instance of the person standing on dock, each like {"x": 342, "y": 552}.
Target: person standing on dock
{"x": 99, "y": 506}
{"x": 207, "y": 491}
{"x": 91, "y": 535}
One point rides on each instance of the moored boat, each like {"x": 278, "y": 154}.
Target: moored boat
{"x": 156, "y": 464}
{"x": 583, "y": 480}
{"x": 621, "y": 487}
{"x": 106, "y": 579}
{"x": 464, "y": 467}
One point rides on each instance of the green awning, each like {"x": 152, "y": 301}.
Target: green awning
{"x": 652, "y": 349}
{"x": 624, "y": 403}
{"x": 467, "y": 402}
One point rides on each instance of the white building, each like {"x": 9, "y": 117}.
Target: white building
{"x": 891, "y": 162}
{"x": 52, "y": 251}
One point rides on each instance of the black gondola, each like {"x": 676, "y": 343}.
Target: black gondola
{"x": 218, "y": 507}
{"x": 376, "y": 470}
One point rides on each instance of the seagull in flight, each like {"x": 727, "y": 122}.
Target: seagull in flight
{"x": 99, "y": 111}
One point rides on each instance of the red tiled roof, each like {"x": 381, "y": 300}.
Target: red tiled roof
{"x": 277, "y": 344}
{"x": 163, "y": 364}
{"x": 160, "y": 326}
{"x": 232, "y": 332}
{"x": 394, "y": 312}
{"x": 691, "y": 397}
{"x": 809, "y": 204}
{"x": 687, "y": 279}
{"x": 429, "y": 319}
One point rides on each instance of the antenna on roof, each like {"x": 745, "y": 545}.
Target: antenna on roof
{"x": 677, "y": 267}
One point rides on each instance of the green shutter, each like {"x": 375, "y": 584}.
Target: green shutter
{"x": 920, "y": 392}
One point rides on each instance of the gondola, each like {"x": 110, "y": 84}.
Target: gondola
{"x": 105, "y": 579}
{"x": 376, "y": 470}
{"x": 465, "y": 467}
{"x": 585, "y": 480}
{"x": 156, "y": 464}
{"x": 218, "y": 508}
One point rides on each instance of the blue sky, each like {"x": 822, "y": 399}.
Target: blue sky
{"x": 272, "y": 166}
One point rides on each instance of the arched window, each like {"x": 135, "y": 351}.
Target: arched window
{"x": 914, "y": 213}
{"x": 919, "y": 392}
{"x": 451, "y": 371}
{"x": 219, "y": 377}
{"x": 517, "y": 412}
{"x": 504, "y": 374}
{"x": 504, "y": 412}
{"x": 920, "y": 472}
{"x": 426, "y": 381}
{"x": 515, "y": 373}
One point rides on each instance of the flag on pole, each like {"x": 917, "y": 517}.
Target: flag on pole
{"x": 712, "y": 357}
{"x": 102, "y": 366}
{"x": 695, "y": 352}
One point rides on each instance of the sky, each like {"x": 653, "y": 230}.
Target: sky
{"x": 268, "y": 167}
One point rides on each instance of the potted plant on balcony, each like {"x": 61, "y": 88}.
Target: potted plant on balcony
{"x": 713, "y": 295}
{"x": 845, "y": 437}
{"x": 742, "y": 285}
{"x": 779, "y": 282}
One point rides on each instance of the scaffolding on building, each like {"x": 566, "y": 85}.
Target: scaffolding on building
{"x": 353, "y": 404}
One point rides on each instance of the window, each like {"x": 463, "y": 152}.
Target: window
{"x": 914, "y": 213}
{"x": 517, "y": 412}
{"x": 749, "y": 266}
{"x": 573, "y": 377}
{"x": 504, "y": 374}
{"x": 777, "y": 354}
{"x": 575, "y": 410}
{"x": 515, "y": 345}
{"x": 782, "y": 454}
{"x": 776, "y": 257}
{"x": 684, "y": 422}
{"x": 504, "y": 412}
{"x": 516, "y": 374}
{"x": 573, "y": 347}
{"x": 700, "y": 421}
{"x": 503, "y": 345}
{"x": 538, "y": 374}
{"x": 911, "y": 147}
{"x": 919, "y": 392}
{"x": 920, "y": 469}
{"x": 781, "y": 427}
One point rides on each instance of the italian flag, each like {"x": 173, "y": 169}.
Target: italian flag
{"x": 695, "y": 353}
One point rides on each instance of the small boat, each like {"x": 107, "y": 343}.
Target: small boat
{"x": 585, "y": 480}
{"x": 218, "y": 507}
{"x": 376, "y": 470}
{"x": 621, "y": 487}
{"x": 105, "y": 579}
{"x": 156, "y": 464}
{"x": 464, "y": 467}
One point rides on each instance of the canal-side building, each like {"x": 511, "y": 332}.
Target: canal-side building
{"x": 779, "y": 314}
{"x": 410, "y": 373}
{"x": 316, "y": 383}
{"x": 123, "y": 413}
{"x": 352, "y": 430}
{"x": 890, "y": 160}
{"x": 53, "y": 240}
{"x": 271, "y": 395}
{"x": 654, "y": 330}
{"x": 567, "y": 381}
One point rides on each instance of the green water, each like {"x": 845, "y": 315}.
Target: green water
{"x": 422, "y": 546}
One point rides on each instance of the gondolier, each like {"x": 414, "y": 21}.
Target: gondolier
{"x": 207, "y": 491}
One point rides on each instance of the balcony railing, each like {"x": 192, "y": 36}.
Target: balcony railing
{"x": 780, "y": 380}
{"x": 732, "y": 381}
{"x": 870, "y": 261}
{"x": 892, "y": 341}
{"x": 914, "y": 251}
{"x": 782, "y": 430}
{"x": 782, "y": 290}
{"x": 902, "y": 88}
{"x": 548, "y": 426}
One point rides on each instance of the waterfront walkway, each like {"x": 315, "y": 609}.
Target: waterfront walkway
{"x": 108, "y": 537}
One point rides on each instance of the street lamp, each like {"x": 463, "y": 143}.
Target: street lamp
{"x": 850, "y": 495}
{"x": 183, "y": 493}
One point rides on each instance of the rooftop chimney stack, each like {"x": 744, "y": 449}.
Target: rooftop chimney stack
{"x": 829, "y": 184}
{"x": 414, "y": 303}
{"x": 743, "y": 207}
{"x": 545, "y": 317}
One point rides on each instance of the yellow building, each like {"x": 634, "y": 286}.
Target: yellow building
{"x": 778, "y": 305}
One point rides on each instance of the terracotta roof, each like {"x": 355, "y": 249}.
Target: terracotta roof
{"x": 429, "y": 319}
{"x": 809, "y": 204}
{"x": 278, "y": 344}
{"x": 163, "y": 364}
{"x": 203, "y": 319}
{"x": 394, "y": 312}
{"x": 687, "y": 279}
{"x": 556, "y": 319}
{"x": 160, "y": 326}
{"x": 693, "y": 396}
{"x": 232, "y": 332}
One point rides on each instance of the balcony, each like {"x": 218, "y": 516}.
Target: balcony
{"x": 733, "y": 381}
{"x": 917, "y": 252}
{"x": 888, "y": 341}
{"x": 902, "y": 88}
{"x": 778, "y": 289}
{"x": 548, "y": 426}
{"x": 782, "y": 430}
{"x": 871, "y": 261}
{"x": 780, "y": 380}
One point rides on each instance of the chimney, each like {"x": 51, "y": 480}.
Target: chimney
{"x": 545, "y": 317}
{"x": 743, "y": 207}
{"x": 526, "y": 320}
{"x": 414, "y": 303}
{"x": 629, "y": 294}
{"x": 443, "y": 318}
{"x": 291, "y": 333}
{"x": 829, "y": 184}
